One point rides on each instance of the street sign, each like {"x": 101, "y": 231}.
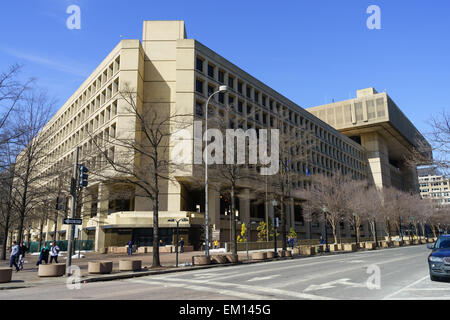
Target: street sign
{"x": 216, "y": 235}
{"x": 72, "y": 221}
{"x": 276, "y": 222}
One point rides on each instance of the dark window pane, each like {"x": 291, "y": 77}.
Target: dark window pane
{"x": 199, "y": 64}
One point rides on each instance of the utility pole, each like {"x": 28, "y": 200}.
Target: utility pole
{"x": 73, "y": 194}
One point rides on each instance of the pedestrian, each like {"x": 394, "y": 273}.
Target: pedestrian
{"x": 14, "y": 255}
{"x": 181, "y": 245}
{"x": 322, "y": 241}
{"x": 130, "y": 247}
{"x": 161, "y": 243}
{"x": 292, "y": 242}
{"x": 43, "y": 256}
{"x": 216, "y": 244}
{"x": 22, "y": 249}
{"x": 54, "y": 251}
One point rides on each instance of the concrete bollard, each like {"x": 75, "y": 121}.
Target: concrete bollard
{"x": 130, "y": 265}
{"x": 218, "y": 259}
{"x": 398, "y": 243}
{"x": 407, "y": 242}
{"x": 232, "y": 258}
{"x": 259, "y": 255}
{"x": 307, "y": 250}
{"x": 334, "y": 247}
{"x": 350, "y": 247}
{"x": 270, "y": 254}
{"x": 100, "y": 267}
{"x": 52, "y": 270}
{"x": 288, "y": 253}
{"x": 5, "y": 275}
{"x": 201, "y": 260}
{"x": 370, "y": 245}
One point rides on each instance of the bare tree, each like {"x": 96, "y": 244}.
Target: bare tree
{"x": 356, "y": 206}
{"x": 32, "y": 143}
{"x": 140, "y": 158}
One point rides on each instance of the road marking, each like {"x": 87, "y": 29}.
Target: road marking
{"x": 333, "y": 284}
{"x": 242, "y": 295}
{"x": 293, "y": 294}
{"x": 263, "y": 278}
{"x": 427, "y": 289}
{"x": 404, "y": 288}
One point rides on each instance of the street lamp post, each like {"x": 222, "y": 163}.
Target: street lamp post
{"x": 275, "y": 226}
{"x": 176, "y": 240}
{"x": 222, "y": 89}
{"x": 324, "y": 210}
{"x": 246, "y": 237}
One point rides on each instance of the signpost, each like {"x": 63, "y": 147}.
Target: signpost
{"x": 72, "y": 221}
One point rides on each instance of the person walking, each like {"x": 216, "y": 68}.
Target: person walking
{"x": 14, "y": 255}
{"x": 54, "y": 251}
{"x": 130, "y": 248}
{"x": 43, "y": 256}
{"x": 22, "y": 249}
{"x": 181, "y": 245}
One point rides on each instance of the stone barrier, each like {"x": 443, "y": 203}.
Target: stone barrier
{"x": 340, "y": 246}
{"x": 307, "y": 250}
{"x": 320, "y": 248}
{"x": 130, "y": 265}
{"x": 361, "y": 245}
{"x": 52, "y": 270}
{"x": 219, "y": 259}
{"x": 407, "y": 242}
{"x": 430, "y": 240}
{"x": 142, "y": 250}
{"x": 423, "y": 241}
{"x": 333, "y": 247}
{"x": 370, "y": 245}
{"x": 232, "y": 258}
{"x": 270, "y": 254}
{"x": 398, "y": 243}
{"x": 416, "y": 241}
{"x": 100, "y": 267}
{"x": 259, "y": 255}
{"x": 349, "y": 247}
{"x": 201, "y": 260}
{"x": 282, "y": 253}
{"x": 5, "y": 275}
{"x": 288, "y": 253}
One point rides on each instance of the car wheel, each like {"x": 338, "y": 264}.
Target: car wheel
{"x": 434, "y": 278}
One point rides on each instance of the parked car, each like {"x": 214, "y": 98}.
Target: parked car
{"x": 439, "y": 258}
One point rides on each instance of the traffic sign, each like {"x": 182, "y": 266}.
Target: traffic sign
{"x": 72, "y": 221}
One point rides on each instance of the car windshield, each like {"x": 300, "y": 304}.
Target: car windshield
{"x": 442, "y": 243}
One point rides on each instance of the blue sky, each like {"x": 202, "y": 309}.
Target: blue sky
{"x": 310, "y": 51}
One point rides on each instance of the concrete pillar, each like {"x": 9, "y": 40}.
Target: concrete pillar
{"x": 214, "y": 207}
{"x": 378, "y": 158}
{"x": 102, "y": 213}
{"x": 244, "y": 205}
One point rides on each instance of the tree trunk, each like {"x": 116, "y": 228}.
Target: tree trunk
{"x": 5, "y": 240}
{"x": 156, "y": 263}
{"x": 333, "y": 227}
{"x": 283, "y": 225}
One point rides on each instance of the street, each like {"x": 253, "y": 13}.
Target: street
{"x": 403, "y": 275}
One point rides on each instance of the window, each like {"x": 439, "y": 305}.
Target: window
{"x": 240, "y": 87}
{"x": 211, "y": 71}
{"x": 221, "y": 97}
{"x": 249, "y": 92}
{"x": 221, "y": 76}
{"x": 231, "y": 101}
{"x": 231, "y": 82}
{"x": 257, "y": 96}
{"x": 199, "y": 86}
{"x": 199, "y": 64}
{"x": 210, "y": 90}
{"x": 199, "y": 108}
{"x": 240, "y": 106}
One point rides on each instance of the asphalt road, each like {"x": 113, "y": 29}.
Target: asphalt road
{"x": 403, "y": 274}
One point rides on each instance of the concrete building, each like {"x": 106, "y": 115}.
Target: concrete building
{"x": 434, "y": 186}
{"x": 374, "y": 121}
{"x": 169, "y": 71}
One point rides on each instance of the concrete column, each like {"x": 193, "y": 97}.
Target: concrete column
{"x": 244, "y": 205}
{"x": 214, "y": 207}
{"x": 102, "y": 213}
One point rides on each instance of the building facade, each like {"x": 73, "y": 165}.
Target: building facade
{"x": 434, "y": 186}
{"x": 171, "y": 72}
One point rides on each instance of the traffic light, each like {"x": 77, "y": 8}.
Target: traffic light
{"x": 83, "y": 181}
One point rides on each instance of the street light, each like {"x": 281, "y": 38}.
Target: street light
{"x": 324, "y": 210}
{"x": 176, "y": 246}
{"x": 222, "y": 89}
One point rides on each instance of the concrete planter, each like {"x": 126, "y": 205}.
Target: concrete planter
{"x": 307, "y": 250}
{"x": 288, "y": 253}
{"x": 417, "y": 241}
{"x": 103, "y": 250}
{"x": 407, "y": 242}
{"x": 259, "y": 255}
{"x": 232, "y": 258}
{"x": 370, "y": 245}
{"x": 340, "y": 246}
{"x": 397, "y": 243}
{"x": 219, "y": 259}
{"x": 361, "y": 245}
{"x": 120, "y": 250}
{"x": 349, "y": 247}
{"x": 320, "y": 248}
{"x": 130, "y": 265}
{"x": 201, "y": 260}
{"x": 100, "y": 267}
{"x": 333, "y": 247}
{"x": 52, "y": 270}
{"x": 296, "y": 251}
{"x": 430, "y": 240}
{"x": 423, "y": 241}
{"x": 282, "y": 253}
{"x": 270, "y": 254}
{"x": 142, "y": 250}
{"x": 5, "y": 275}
